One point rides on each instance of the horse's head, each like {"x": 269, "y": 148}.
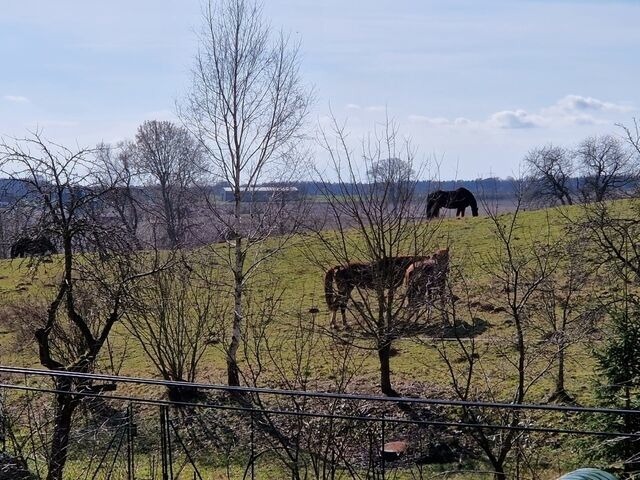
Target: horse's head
{"x": 441, "y": 257}
{"x": 434, "y": 200}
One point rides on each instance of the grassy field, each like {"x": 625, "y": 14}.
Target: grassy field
{"x": 472, "y": 244}
{"x": 417, "y": 366}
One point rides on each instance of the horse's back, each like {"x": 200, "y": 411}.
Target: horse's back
{"x": 419, "y": 269}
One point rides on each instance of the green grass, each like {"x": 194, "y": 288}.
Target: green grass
{"x": 471, "y": 242}
{"x": 417, "y": 366}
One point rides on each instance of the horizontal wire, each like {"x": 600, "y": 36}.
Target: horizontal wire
{"x": 302, "y": 393}
{"x": 205, "y": 405}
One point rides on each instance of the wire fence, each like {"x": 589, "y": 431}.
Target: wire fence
{"x": 128, "y": 428}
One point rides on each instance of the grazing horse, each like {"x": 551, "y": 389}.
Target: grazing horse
{"x": 425, "y": 278}
{"x": 346, "y": 278}
{"x": 459, "y": 199}
{"x": 26, "y": 247}
{"x": 387, "y": 273}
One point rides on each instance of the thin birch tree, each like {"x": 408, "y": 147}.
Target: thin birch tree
{"x": 247, "y": 105}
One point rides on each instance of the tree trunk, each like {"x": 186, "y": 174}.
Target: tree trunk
{"x": 559, "y": 393}
{"x": 384, "y": 355}
{"x": 560, "y": 377}
{"x": 65, "y": 406}
{"x": 169, "y": 217}
{"x": 233, "y": 374}
{"x": 499, "y": 473}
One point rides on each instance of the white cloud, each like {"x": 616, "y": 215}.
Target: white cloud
{"x": 353, "y": 106}
{"x": 376, "y": 108}
{"x": 578, "y": 103}
{"x": 571, "y": 110}
{"x": 16, "y": 99}
{"x": 515, "y": 119}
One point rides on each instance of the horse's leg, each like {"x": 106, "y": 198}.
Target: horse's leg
{"x": 411, "y": 295}
{"x": 343, "y": 289}
{"x": 343, "y": 306}
{"x": 334, "y": 313}
{"x": 343, "y": 311}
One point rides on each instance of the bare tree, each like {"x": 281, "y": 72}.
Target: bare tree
{"x": 91, "y": 294}
{"x": 171, "y": 160}
{"x": 316, "y": 448}
{"x": 610, "y": 239}
{"x": 610, "y": 244}
{"x": 247, "y": 107}
{"x": 520, "y": 271}
{"x": 632, "y": 138}
{"x": 383, "y": 240}
{"x": 395, "y": 173}
{"x": 114, "y": 166}
{"x": 606, "y": 166}
{"x": 566, "y": 305}
{"x": 632, "y": 135}
{"x": 174, "y": 317}
{"x": 551, "y": 168}
{"x": 517, "y": 268}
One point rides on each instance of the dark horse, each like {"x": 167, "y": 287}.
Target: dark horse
{"x": 386, "y": 273}
{"x": 27, "y": 247}
{"x": 459, "y": 199}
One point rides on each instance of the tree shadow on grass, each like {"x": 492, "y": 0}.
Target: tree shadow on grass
{"x": 459, "y": 330}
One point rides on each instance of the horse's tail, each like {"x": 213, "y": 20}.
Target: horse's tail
{"x": 328, "y": 288}
{"x": 474, "y": 205}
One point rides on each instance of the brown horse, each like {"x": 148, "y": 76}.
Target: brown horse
{"x": 425, "y": 278}
{"x": 386, "y": 273}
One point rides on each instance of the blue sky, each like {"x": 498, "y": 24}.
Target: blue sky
{"x": 475, "y": 84}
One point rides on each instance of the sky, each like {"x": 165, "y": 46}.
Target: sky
{"x": 473, "y": 84}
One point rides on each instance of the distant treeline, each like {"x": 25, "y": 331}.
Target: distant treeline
{"x": 493, "y": 188}
{"x": 490, "y": 188}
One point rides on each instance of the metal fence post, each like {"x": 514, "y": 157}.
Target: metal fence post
{"x": 131, "y": 433}
{"x": 163, "y": 444}
{"x": 383, "y": 442}
{"x": 252, "y": 458}
{"x": 3, "y": 423}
